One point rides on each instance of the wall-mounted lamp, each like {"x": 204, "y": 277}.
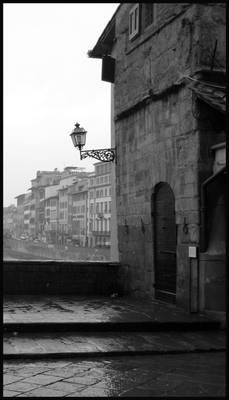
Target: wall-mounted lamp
{"x": 78, "y": 136}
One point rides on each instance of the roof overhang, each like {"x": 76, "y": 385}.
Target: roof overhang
{"x": 106, "y": 40}
{"x": 212, "y": 93}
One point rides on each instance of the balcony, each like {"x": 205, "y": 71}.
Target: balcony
{"x": 101, "y": 233}
{"x": 100, "y": 215}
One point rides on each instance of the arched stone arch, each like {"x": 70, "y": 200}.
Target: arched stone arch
{"x": 164, "y": 227}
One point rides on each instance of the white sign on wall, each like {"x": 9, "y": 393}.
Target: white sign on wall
{"x": 192, "y": 253}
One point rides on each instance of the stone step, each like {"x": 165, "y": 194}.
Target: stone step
{"x": 57, "y": 345}
{"x": 112, "y": 326}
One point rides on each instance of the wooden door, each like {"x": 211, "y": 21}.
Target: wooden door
{"x": 165, "y": 243}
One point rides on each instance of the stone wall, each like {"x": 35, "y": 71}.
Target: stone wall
{"x": 53, "y": 277}
{"x": 156, "y": 144}
{"x": 157, "y": 137}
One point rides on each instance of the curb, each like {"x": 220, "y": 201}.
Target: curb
{"x": 8, "y": 356}
{"x": 108, "y": 326}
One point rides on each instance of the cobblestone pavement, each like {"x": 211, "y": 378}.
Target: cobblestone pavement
{"x": 200, "y": 375}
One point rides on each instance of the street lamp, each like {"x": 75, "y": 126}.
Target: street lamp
{"x": 78, "y": 136}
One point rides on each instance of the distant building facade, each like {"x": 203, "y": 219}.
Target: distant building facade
{"x": 59, "y": 210}
{"x": 9, "y": 219}
{"x": 99, "y": 206}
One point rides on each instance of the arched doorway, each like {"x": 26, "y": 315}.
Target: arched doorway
{"x": 164, "y": 222}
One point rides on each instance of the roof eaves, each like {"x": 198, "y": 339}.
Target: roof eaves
{"x": 106, "y": 39}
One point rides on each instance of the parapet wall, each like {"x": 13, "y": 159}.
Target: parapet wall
{"x": 53, "y": 277}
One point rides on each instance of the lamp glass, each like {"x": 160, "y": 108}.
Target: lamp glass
{"x": 78, "y": 136}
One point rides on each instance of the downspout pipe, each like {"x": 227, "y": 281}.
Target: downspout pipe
{"x": 204, "y": 185}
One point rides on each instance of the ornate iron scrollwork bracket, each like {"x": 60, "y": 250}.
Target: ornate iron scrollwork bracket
{"x": 104, "y": 155}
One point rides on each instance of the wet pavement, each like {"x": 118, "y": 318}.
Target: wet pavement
{"x": 200, "y": 375}
{"x": 71, "y": 346}
{"x": 65, "y": 309}
{"x": 62, "y": 345}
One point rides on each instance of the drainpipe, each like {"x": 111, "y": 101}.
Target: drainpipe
{"x": 204, "y": 186}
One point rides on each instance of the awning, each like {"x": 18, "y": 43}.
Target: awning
{"x": 212, "y": 94}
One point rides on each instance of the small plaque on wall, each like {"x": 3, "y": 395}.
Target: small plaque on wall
{"x": 192, "y": 251}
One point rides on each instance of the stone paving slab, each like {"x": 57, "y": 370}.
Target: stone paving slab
{"x": 67, "y": 309}
{"x": 98, "y": 344}
{"x": 196, "y": 375}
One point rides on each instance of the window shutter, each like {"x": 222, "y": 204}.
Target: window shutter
{"x": 108, "y": 69}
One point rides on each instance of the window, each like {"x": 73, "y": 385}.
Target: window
{"x": 134, "y": 21}
{"x": 148, "y": 14}
{"x": 105, "y": 207}
{"x": 53, "y": 203}
{"x": 105, "y": 192}
{"x": 53, "y": 214}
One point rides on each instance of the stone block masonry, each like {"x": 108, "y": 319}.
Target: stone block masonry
{"x": 157, "y": 136}
{"x": 53, "y": 277}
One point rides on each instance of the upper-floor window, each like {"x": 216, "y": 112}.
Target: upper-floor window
{"x": 134, "y": 21}
{"x": 53, "y": 203}
{"x": 141, "y": 16}
{"x": 148, "y": 14}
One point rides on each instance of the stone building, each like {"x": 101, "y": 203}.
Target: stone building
{"x": 27, "y": 214}
{"x": 9, "y": 219}
{"x": 19, "y": 226}
{"x": 51, "y": 203}
{"x": 166, "y": 64}
{"x": 78, "y": 202}
{"x": 99, "y": 206}
{"x": 38, "y": 185}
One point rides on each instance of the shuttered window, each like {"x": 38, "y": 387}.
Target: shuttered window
{"x": 148, "y": 14}
{"x": 134, "y": 21}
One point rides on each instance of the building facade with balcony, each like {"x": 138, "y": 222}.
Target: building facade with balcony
{"x": 9, "y": 219}
{"x": 38, "y": 185}
{"x": 52, "y": 213}
{"x": 99, "y": 206}
{"x": 27, "y": 214}
{"x": 20, "y": 215}
{"x": 78, "y": 215}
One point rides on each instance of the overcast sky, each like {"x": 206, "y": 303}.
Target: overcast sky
{"x": 49, "y": 85}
